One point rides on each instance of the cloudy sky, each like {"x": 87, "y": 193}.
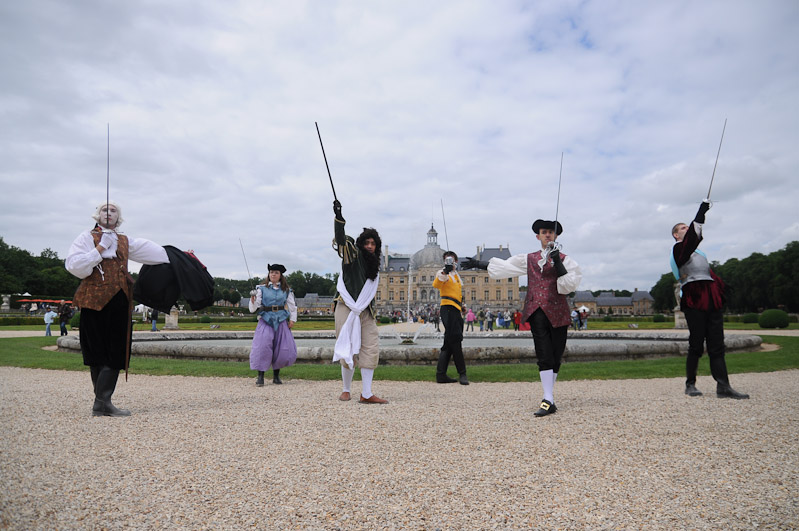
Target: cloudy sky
{"x": 212, "y": 105}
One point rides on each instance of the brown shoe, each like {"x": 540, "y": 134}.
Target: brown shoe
{"x": 344, "y": 397}
{"x": 372, "y": 400}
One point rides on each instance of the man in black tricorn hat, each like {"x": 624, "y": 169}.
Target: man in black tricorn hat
{"x": 551, "y": 276}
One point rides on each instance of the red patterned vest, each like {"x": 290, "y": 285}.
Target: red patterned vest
{"x": 542, "y": 292}
{"x": 96, "y": 290}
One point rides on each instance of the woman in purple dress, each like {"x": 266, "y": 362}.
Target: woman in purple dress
{"x": 273, "y": 345}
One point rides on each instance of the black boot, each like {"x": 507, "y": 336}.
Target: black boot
{"x": 95, "y": 371}
{"x": 106, "y": 383}
{"x": 463, "y": 379}
{"x": 691, "y": 390}
{"x": 441, "y": 368}
{"x": 276, "y": 377}
{"x": 259, "y": 382}
{"x": 725, "y": 391}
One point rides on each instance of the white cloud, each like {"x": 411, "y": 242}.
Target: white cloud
{"x": 212, "y": 108}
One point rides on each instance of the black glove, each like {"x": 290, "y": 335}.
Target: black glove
{"x": 448, "y": 268}
{"x": 337, "y": 209}
{"x": 471, "y": 263}
{"x": 557, "y": 263}
{"x": 704, "y": 206}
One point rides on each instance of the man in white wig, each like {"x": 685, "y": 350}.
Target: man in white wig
{"x": 100, "y": 258}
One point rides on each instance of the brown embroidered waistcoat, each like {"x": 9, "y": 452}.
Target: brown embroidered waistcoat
{"x": 96, "y": 290}
{"x": 542, "y": 292}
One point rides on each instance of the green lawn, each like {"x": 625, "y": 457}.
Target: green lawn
{"x": 28, "y": 352}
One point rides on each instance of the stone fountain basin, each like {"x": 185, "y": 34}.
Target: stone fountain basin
{"x": 478, "y": 347}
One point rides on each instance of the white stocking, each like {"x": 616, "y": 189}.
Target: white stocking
{"x": 548, "y": 383}
{"x": 366, "y": 381}
{"x": 346, "y": 378}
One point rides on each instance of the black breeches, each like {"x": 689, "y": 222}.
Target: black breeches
{"x": 705, "y": 327}
{"x": 550, "y": 342}
{"x": 104, "y": 334}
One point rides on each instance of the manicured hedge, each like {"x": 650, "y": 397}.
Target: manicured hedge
{"x": 773, "y": 319}
{"x": 750, "y": 318}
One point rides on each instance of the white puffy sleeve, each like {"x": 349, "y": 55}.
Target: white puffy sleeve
{"x": 258, "y": 299}
{"x": 292, "y": 304}
{"x": 515, "y": 266}
{"x": 571, "y": 280}
{"x": 146, "y": 252}
{"x": 82, "y": 256}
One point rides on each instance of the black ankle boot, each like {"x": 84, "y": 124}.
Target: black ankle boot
{"x": 276, "y": 377}
{"x": 259, "y": 382}
{"x": 691, "y": 390}
{"x": 725, "y": 391}
{"x": 106, "y": 383}
{"x": 441, "y": 368}
{"x": 463, "y": 379}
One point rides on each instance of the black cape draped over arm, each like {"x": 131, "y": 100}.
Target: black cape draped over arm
{"x": 160, "y": 286}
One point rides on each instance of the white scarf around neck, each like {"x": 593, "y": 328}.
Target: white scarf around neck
{"x": 348, "y": 342}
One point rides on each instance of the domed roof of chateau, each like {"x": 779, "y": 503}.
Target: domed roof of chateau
{"x": 430, "y": 254}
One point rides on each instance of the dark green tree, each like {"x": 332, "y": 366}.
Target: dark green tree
{"x": 663, "y": 293}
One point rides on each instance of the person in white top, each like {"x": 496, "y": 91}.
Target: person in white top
{"x": 100, "y": 258}
{"x": 273, "y": 345}
{"x": 48, "y": 320}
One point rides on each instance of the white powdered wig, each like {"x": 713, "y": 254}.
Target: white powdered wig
{"x": 96, "y": 215}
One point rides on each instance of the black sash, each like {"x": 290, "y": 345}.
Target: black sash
{"x": 453, "y": 299}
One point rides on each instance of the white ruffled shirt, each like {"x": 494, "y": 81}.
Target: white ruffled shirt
{"x": 83, "y": 256}
{"x": 516, "y": 266}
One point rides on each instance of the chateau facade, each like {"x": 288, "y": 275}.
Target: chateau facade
{"x": 406, "y": 281}
{"x": 607, "y": 303}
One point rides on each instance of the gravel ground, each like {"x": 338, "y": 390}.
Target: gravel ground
{"x": 217, "y": 453}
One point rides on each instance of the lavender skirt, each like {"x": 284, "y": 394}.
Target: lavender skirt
{"x": 272, "y": 349}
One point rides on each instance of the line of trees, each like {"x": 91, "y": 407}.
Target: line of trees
{"x": 22, "y": 272}
{"x": 302, "y": 284}
{"x": 754, "y": 284}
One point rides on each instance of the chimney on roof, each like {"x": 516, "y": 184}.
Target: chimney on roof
{"x": 478, "y": 253}
{"x": 636, "y": 289}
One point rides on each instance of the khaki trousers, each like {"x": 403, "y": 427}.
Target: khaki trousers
{"x": 369, "y": 355}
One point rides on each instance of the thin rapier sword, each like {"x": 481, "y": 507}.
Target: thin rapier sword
{"x": 326, "y": 165}
{"x": 557, "y": 205}
{"x": 249, "y": 276}
{"x": 717, "y": 159}
{"x": 107, "y": 170}
{"x": 445, "y": 224}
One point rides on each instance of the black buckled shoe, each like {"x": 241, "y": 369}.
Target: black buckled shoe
{"x": 725, "y": 391}
{"x": 546, "y": 408}
{"x": 691, "y": 390}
